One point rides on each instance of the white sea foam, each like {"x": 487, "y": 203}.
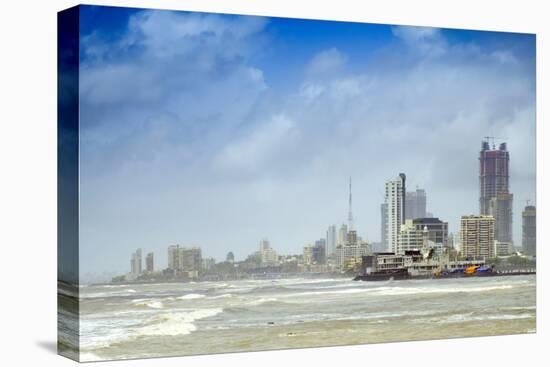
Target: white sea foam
{"x": 176, "y": 323}
{"x": 391, "y": 291}
{"x": 225, "y": 295}
{"x": 471, "y": 317}
{"x": 151, "y": 303}
{"x": 261, "y": 301}
{"x": 191, "y": 296}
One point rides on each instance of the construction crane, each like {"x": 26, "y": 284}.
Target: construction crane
{"x": 491, "y": 139}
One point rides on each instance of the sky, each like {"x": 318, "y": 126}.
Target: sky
{"x": 219, "y": 130}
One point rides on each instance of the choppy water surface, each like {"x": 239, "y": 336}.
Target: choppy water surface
{"x": 146, "y": 320}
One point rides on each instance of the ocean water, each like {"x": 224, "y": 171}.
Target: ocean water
{"x": 168, "y": 319}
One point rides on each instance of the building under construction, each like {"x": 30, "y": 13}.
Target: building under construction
{"x": 494, "y": 188}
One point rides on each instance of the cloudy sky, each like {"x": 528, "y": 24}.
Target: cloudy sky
{"x": 220, "y": 130}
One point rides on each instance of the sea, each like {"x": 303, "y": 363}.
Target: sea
{"x": 124, "y": 321}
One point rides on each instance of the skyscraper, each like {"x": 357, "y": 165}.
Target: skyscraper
{"x": 331, "y": 240}
{"x": 150, "y": 262}
{"x": 501, "y": 209}
{"x": 136, "y": 262}
{"x": 184, "y": 258}
{"x": 395, "y": 212}
{"x": 342, "y": 235}
{"x": 494, "y": 185}
{"x": 529, "y": 226}
{"x": 267, "y": 253}
{"x": 410, "y": 237}
{"x": 350, "y": 214}
{"x": 415, "y": 204}
{"x": 384, "y": 225}
{"x": 477, "y": 236}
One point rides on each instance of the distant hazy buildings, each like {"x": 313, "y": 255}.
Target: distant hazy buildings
{"x": 331, "y": 240}
{"x": 438, "y": 231}
{"x": 455, "y": 241}
{"x": 410, "y": 237}
{"x": 208, "y": 263}
{"x": 478, "y": 236}
{"x": 350, "y": 255}
{"x": 342, "y": 235}
{"x": 150, "y": 262}
{"x": 314, "y": 254}
{"x": 395, "y": 213}
{"x": 501, "y": 209}
{"x": 268, "y": 255}
{"x": 503, "y": 248}
{"x": 415, "y": 204}
{"x": 320, "y": 251}
{"x": 135, "y": 263}
{"x": 230, "y": 258}
{"x": 184, "y": 259}
{"x": 494, "y": 186}
{"x": 529, "y": 227}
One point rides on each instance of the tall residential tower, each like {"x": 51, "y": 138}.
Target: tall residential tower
{"x": 529, "y": 243}
{"x": 395, "y": 210}
{"x": 415, "y": 204}
{"x": 331, "y": 240}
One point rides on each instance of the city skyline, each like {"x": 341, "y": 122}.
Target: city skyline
{"x": 187, "y": 162}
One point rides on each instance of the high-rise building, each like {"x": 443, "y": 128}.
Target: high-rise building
{"x": 350, "y": 214}
{"x": 384, "y": 225}
{"x": 395, "y": 213}
{"x": 331, "y": 240}
{"x": 308, "y": 254}
{"x": 410, "y": 237}
{"x": 351, "y": 252}
{"x": 529, "y": 227}
{"x": 315, "y": 255}
{"x": 184, "y": 258}
{"x": 267, "y": 254}
{"x": 190, "y": 258}
{"x": 208, "y": 263}
{"x": 135, "y": 262}
{"x": 454, "y": 241}
{"x": 494, "y": 189}
{"x": 415, "y": 204}
{"x": 173, "y": 258}
{"x": 438, "y": 231}
{"x": 477, "y": 236}
{"x": 264, "y": 244}
{"x": 322, "y": 242}
{"x": 150, "y": 262}
{"x": 342, "y": 235}
{"x": 501, "y": 209}
{"x": 352, "y": 239}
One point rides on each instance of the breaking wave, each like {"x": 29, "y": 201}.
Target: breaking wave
{"x": 191, "y": 296}
{"x": 176, "y": 323}
{"x": 148, "y": 303}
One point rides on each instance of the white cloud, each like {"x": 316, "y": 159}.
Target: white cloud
{"x": 189, "y": 133}
{"x": 253, "y": 152}
{"x": 425, "y": 40}
{"x": 327, "y": 61}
